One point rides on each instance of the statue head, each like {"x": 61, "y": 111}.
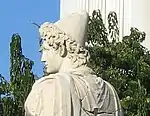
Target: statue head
{"x": 63, "y": 43}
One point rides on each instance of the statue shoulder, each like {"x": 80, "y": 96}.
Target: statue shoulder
{"x": 51, "y": 77}
{"x": 43, "y": 79}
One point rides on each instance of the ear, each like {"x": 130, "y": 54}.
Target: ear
{"x": 62, "y": 50}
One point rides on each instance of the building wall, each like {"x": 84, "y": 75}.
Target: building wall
{"x": 130, "y": 13}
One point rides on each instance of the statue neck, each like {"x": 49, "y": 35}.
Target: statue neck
{"x": 66, "y": 65}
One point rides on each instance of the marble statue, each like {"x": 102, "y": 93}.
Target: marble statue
{"x": 70, "y": 87}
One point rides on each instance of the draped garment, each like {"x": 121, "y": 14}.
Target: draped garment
{"x": 75, "y": 93}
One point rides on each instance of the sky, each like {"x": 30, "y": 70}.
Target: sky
{"x": 16, "y": 16}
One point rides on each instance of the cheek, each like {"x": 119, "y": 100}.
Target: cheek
{"x": 53, "y": 61}
{"x": 56, "y": 61}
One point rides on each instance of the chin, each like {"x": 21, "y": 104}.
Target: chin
{"x": 48, "y": 72}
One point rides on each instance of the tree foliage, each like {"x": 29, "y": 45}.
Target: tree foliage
{"x": 125, "y": 64}
{"x": 15, "y": 92}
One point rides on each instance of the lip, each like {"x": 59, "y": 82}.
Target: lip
{"x": 45, "y": 71}
{"x": 45, "y": 67}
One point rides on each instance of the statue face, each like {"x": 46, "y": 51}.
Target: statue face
{"x": 51, "y": 59}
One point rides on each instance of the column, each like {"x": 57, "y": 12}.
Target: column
{"x": 140, "y": 19}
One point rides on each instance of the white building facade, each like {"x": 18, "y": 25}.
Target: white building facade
{"x": 130, "y": 13}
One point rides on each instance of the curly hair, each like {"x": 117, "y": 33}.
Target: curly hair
{"x": 61, "y": 41}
